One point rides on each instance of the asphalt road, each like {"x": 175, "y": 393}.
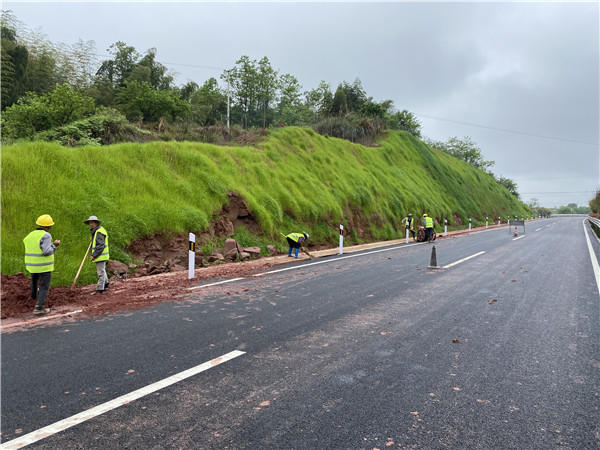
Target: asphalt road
{"x": 370, "y": 350}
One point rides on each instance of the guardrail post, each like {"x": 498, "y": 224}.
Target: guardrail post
{"x": 191, "y": 256}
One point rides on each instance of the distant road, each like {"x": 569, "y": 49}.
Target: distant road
{"x": 501, "y": 349}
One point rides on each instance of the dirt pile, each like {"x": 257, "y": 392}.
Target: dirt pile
{"x": 168, "y": 252}
{"x": 127, "y": 294}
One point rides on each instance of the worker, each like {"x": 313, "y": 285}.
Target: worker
{"x": 99, "y": 252}
{"x": 295, "y": 241}
{"x": 428, "y": 224}
{"x": 409, "y": 225}
{"x": 39, "y": 261}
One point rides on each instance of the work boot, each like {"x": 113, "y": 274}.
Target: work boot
{"x": 97, "y": 292}
{"x": 106, "y": 286}
{"x": 41, "y": 311}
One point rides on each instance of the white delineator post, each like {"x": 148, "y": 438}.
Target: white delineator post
{"x": 498, "y": 221}
{"x": 486, "y": 223}
{"x": 341, "y": 239}
{"x": 445, "y": 227}
{"x": 469, "y": 225}
{"x": 407, "y": 235}
{"x": 192, "y": 256}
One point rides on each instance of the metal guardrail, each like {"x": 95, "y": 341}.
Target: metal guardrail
{"x": 595, "y": 222}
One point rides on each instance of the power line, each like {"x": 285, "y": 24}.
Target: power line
{"x": 196, "y": 66}
{"x": 553, "y": 193}
{"x": 504, "y": 130}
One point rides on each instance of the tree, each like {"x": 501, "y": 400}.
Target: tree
{"x": 407, "y": 121}
{"x": 118, "y": 69}
{"x": 141, "y": 101}
{"x": 318, "y": 101}
{"x": 244, "y": 89}
{"x": 33, "y": 113}
{"x": 533, "y": 204}
{"x": 66, "y": 105}
{"x": 510, "y": 185}
{"x": 267, "y": 85}
{"x": 187, "y": 91}
{"x": 289, "y": 99}
{"x": 339, "y": 104}
{"x": 208, "y": 103}
{"x": 595, "y": 202}
{"x": 157, "y": 74}
{"x": 356, "y": 96}
{"x": 15, "y": 59}
{"x": 464, "y": 149}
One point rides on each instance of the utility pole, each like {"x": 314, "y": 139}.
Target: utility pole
{"x": 228, "y": 71}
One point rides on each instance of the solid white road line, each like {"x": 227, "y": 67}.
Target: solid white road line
{"x": 39, "y": 319}
{"x": 538, "y": 229}
{"x": 522, "y": 236}
{"x": 113, "y": 404}
{"x": 332, "y": 260}
{"x": 214, "y": 284}
{"x": 593, "y": 257}
{"x": 462, "y": 260}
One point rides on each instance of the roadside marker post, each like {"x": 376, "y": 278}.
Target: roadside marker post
{"x": 341, "y": 239}
{"x": 469, "y": 224}
{"x": 407, "y": 235}
{"x": 445, "y": 229}
{"x": 191, "y": 256}
{"x": 486, "y": 223}
{"x": 498, "y": 221}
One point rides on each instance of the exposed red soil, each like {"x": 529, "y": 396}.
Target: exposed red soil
{"x": 17, "y": 306}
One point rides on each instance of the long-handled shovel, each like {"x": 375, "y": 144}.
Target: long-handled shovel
{"x": 86, "y": 253}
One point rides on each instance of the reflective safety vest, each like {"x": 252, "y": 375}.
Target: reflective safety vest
{"x": 428, "y": 222}
{"x": 35, "y": 261}
{"x": 295, "y": 236}
{"x": 104, "y": 256}
{"x": 408, "y": 222}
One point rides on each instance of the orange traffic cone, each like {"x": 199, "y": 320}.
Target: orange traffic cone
{"x": 516, "y": 233}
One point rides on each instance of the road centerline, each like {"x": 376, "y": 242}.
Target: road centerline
{"x": 462, "y": 260}
{"x": 84, "y": 416}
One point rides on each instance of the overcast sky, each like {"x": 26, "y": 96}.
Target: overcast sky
{"x": 521, "y": 79}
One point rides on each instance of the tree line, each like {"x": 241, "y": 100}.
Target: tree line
{"x": 38, "y": 73}
{"x": 56, "y": 92}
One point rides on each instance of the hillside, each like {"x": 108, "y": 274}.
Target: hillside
{"x": 291, "y": 180}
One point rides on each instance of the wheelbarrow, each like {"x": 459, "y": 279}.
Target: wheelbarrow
{"x": 421, "y": 235}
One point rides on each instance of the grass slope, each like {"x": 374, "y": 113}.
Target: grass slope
{"x": 293, "y": 180}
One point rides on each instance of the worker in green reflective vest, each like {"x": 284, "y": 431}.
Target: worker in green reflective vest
{"x": 39, "y": 261}
{"x": 428, "y": 224}
{"x": 99, "y": 252}
{"x": 295, "y": 241}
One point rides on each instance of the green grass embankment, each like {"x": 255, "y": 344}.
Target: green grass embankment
{"x": 293, "y": 180}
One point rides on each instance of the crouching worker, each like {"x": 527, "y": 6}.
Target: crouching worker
{"x": 295, "y": 241}
{"x": 39, "y": 261}
{"x": 99, "y": 252}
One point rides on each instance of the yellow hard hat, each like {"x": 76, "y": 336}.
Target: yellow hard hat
{"x": 44, "y": 220}
{"x": 424, "y": 215}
